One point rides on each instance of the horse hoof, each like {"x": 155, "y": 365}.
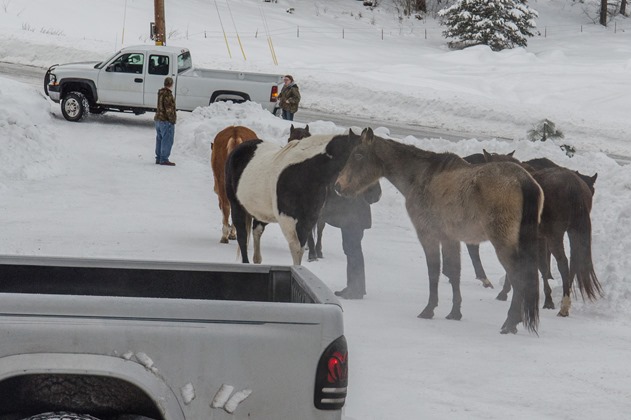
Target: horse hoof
{"x": 548, "y": 305}
{"x": 346, "y": 293}
{"x": 506, "y": 330}
{"x": 457, "y": 316}
{"x": 232, "y": 237}
{"x": 563, "y": 314}
{"x": 426, "y": 314}
{"x": 320, "y": 255}
{"x": 502, "y": 296}
{"x": 311, "y": 259}
{"x": 223, "y": 241}
{"x": 487, "y": 284}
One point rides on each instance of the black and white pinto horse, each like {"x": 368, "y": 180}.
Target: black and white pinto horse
{"x": 268, "y": 183}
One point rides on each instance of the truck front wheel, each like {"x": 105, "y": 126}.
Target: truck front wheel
{"x": 75, "y": 106}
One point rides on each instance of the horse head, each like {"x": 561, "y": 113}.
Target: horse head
{"x": 362, "y": 169}
{"x": 589, "y": 180}
{"x": 298, "y": 133}
{"x": 497, "y": 157}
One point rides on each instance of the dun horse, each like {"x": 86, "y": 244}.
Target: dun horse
{"x": 268, "y": 183}
{"x": 567, "y": 206}
{"x": 449, "y": 201}
{"x": 225, "y": 141}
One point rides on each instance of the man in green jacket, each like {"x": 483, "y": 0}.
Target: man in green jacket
{"x": 165, "y": 123}
{"x": 289, "y": 98}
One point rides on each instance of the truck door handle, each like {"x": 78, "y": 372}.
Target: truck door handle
{"x": 138, "y": 80}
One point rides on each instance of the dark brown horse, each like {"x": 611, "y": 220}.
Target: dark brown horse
{"x": 225, "y": 141}
{"x": 297, "y": 133}
{"x": 544, "y": 163}
{"x": 567, "y": 207}
{"x": 450, "y": 201}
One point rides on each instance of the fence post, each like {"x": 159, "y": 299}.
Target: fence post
{"x": 205, "y": 34}
{"x": 545, "y": 32}
{"x": 425, "y": 33}
{"x": 342, "y": 33}
{"x": 382, "y": 34}
{"x": 297, "y": 31}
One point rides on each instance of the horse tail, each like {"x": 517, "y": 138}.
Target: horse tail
{"x": 581, "y": 266}
{"x": 528, "y": 253}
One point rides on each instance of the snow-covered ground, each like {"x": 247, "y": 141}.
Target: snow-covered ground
{"x": 92, "y": 189}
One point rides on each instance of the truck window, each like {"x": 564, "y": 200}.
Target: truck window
{"x": 128, "y": 63}
{"x": 159, "y": 65}
{"x": 184, "y": 62}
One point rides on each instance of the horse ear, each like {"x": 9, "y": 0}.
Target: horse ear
{"x": 594, "y": 178}
{"x": 367, "y": 135}
{"x": 291, "y": 129}
{"x": 487, "y": 155}
{"x": 350, "y": 132}
{"x": 511, "y": 153}
{"x": 307, "y": 128}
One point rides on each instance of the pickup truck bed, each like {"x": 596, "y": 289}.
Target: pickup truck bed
{"x": 168, "y": 340}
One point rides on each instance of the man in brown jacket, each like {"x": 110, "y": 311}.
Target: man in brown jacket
{"x": 165, "y": 123}
{"x": 289, "y": 98}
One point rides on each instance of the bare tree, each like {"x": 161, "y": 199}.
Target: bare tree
{"x": 603, "y": 12}
{"x": 623, "y": 7}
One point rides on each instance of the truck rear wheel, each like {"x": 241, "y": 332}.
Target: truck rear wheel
{"x": 61, "y": 415}
{"x": 75, "y": 106}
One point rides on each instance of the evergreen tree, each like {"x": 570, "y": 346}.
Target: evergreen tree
{"x": 499, "y": 24}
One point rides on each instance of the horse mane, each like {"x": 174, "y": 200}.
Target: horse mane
{"x": 436, "y": 161}
{"x": 299, "y": 150}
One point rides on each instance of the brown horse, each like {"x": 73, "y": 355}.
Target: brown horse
{"x": 225, "y": 141}
{"x": 567, "y": 207}
{"x": 450, "y": 201}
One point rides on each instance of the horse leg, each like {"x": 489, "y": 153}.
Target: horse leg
{"x": 242, "y": 221}
{"x": 508, "y": 257}
{"x": 451, "y": 269}
{"x": 521, "y": 269}
{"x": 548, "y": 303}
{"x": 257, "y": 231}
{"x": 318, "y": 245}
{"x": 296, "y": 233}
{"x": 431, "y": 247}
{"x": 474, "y": 254}
{"x": 226, "y": 229}
{"x": 544, "y": 268}
{"x": 312, "y": 248}
{"x": 558, "y": 251}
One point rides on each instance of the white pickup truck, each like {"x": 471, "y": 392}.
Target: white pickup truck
{"x": 146, "y": 340}
{"x": 129, "y": 81}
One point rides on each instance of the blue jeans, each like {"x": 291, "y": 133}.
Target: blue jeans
{"x": 165, "y": 131}
{"x": 288, "y": 115}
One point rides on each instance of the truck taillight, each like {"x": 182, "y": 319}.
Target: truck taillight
{"x": 274, "y": 96}
{"x": 332, "y": 376}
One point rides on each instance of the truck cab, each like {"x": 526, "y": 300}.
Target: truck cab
{"x": 129, "y": 80}
{"x": 134, "y": 77}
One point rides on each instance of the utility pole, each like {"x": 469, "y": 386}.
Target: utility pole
{"x": 160, "y": 38}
